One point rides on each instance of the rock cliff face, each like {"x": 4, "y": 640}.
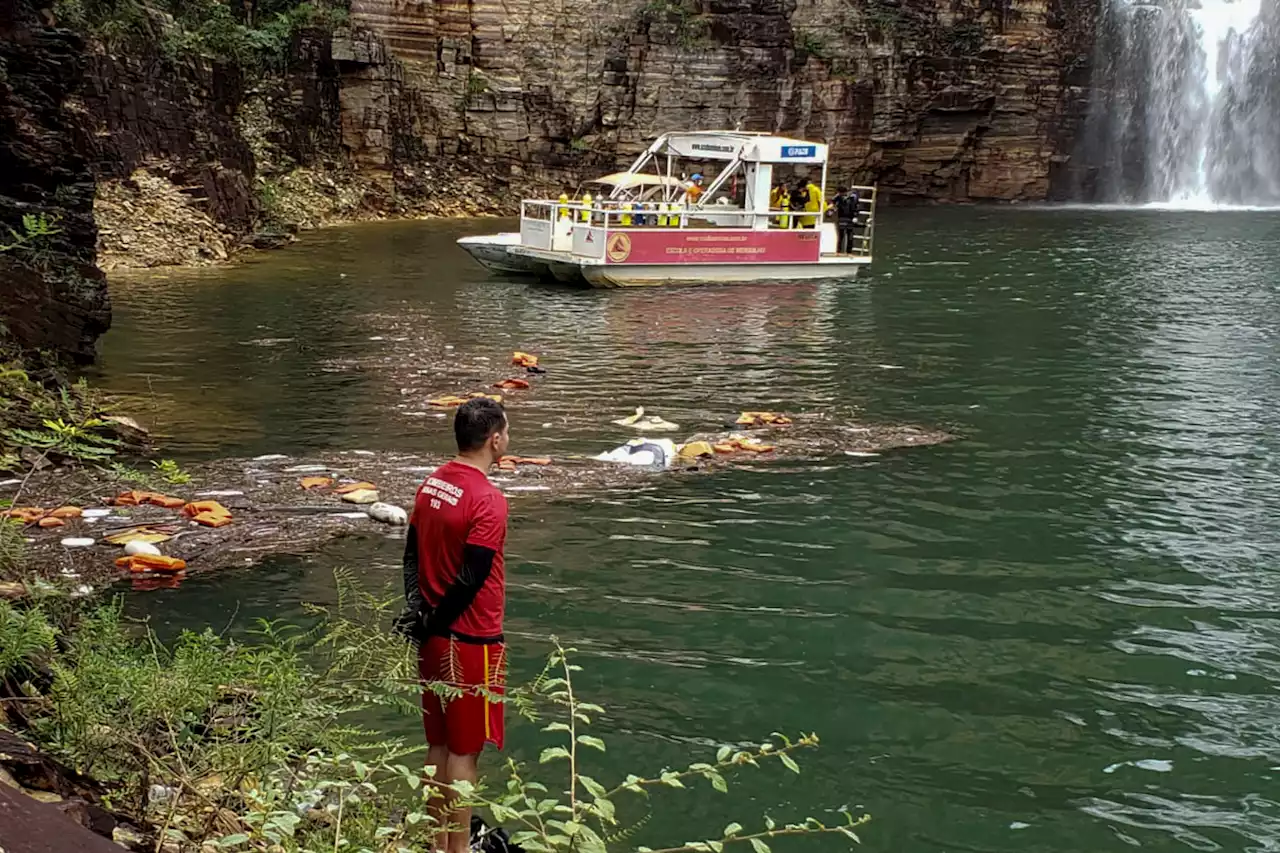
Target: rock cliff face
{"x": 53, "y": 296}
{"x": 940, "y": 99}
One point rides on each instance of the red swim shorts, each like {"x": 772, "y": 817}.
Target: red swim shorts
{"x": 464, "y": 723}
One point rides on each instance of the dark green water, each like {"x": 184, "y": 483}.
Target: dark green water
{"x": 1059, "y": 634}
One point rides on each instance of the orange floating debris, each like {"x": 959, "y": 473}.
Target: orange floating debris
{"x": 136, "y": 498}
{"x": 24, "y": 514}
{"x": 355, "y": 487}
{"x": 513, "y": 461}
{"x": 758, "y": 419}
{"x": 151, "y": 563}
{"x": 208, "y": 513}
{"x": 164, "y": 501}
{"x": 733, "y": 445}
{"x": 211, "y": 519}
{"x": 524, "y": 359}
{"x": 309, "y": 483}
{"x": 50, "y": 521}
{"x": 196, "y": 507}
{"x": 512, "y": 384}
{"x": 67, "y": 512}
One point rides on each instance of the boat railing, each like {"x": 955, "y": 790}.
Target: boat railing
{"x": 548, "y": 223}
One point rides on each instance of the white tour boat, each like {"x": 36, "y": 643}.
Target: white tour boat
{"x": 650, "y": 227}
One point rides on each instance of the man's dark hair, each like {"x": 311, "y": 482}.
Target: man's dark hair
{"x": 476, "y": 421}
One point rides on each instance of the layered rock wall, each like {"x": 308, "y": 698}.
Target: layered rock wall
{"x": 950, "y": 99}
{"x": 54, "y": 298}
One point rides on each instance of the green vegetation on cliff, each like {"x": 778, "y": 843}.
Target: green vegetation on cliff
{"x": 255, "y": 35}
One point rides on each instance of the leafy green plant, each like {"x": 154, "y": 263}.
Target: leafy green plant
{"x": 35, "y": 227}
{"x": 127, "y": 474}
{"x": 171, "y": 472}
{"x": 691, "y": 28}
{"x": 813, "y": 44}
{"x": 25, "y": 634}
{"x": 586, "y": 817}
{"x": 476, "y": 84}
{"x": 75, "y": 441}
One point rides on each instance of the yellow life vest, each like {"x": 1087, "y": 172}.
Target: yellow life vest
{"x": 586, "y": 213}
{"x": 813, "y": 205}
{"x": 625, "y": 218}
{"x": 662, "y": 215}
{"x": 564, "y": 211}
{"x": 784, "y": 204}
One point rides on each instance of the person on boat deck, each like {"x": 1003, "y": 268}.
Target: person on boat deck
{"x": 812, "y": 203}
{"x": 694, "y": 191}
{"x": 799, "y": 200}
{"x": 780, "y": 199}
{"x": 845, "y": 209}
{"x": 563, "y": 211}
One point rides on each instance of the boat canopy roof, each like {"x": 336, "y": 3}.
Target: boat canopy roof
{"x": 629, "y": 180}
{"x": 739, "y": 145}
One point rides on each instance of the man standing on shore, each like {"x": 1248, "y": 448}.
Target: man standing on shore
{"x": 455, "y": 586}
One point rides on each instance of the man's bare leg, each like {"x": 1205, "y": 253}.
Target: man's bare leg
{"x": 437, "y": 800}
{"x": 461, "y": 767}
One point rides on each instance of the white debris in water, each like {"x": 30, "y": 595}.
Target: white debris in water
{"x": 4, "y": 483}
{"x": 418, "y": 469}
{"x": 363, "y": 453}
{"x": 270, "y": 457}
{"x": 220, "y": 493}
{"x": 135, "y": 548}
{"x": 388, "y": 513}
{"x": 95, "y": 513}
{"x": 528, "y": 488}
{"x": 860, "y": 453}
{"x": 77, "y": 542}
{"x": 351, "y": 515}
{"x": 305, "y": 469}
{"x": 82, "y": 590}
{"x": 1157, "y": 765}
{"x": 376, "y": 338}
{"x": 1017, "y": 824}
{"x": 890, "y": 367}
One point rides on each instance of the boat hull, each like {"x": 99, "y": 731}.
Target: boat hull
{"x": 656, "y": 275}
{"x": 493, "y": 252}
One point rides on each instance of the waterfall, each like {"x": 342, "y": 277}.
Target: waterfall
{"x": 1184, "y": 111}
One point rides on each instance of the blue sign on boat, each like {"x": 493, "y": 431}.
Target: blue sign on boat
{"x": 795, "y": 152}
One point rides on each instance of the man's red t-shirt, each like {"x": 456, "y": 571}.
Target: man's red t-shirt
{"x": 458, "y": 506}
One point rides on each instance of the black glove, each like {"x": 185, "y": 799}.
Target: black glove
{"x": 412, "y": 625}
